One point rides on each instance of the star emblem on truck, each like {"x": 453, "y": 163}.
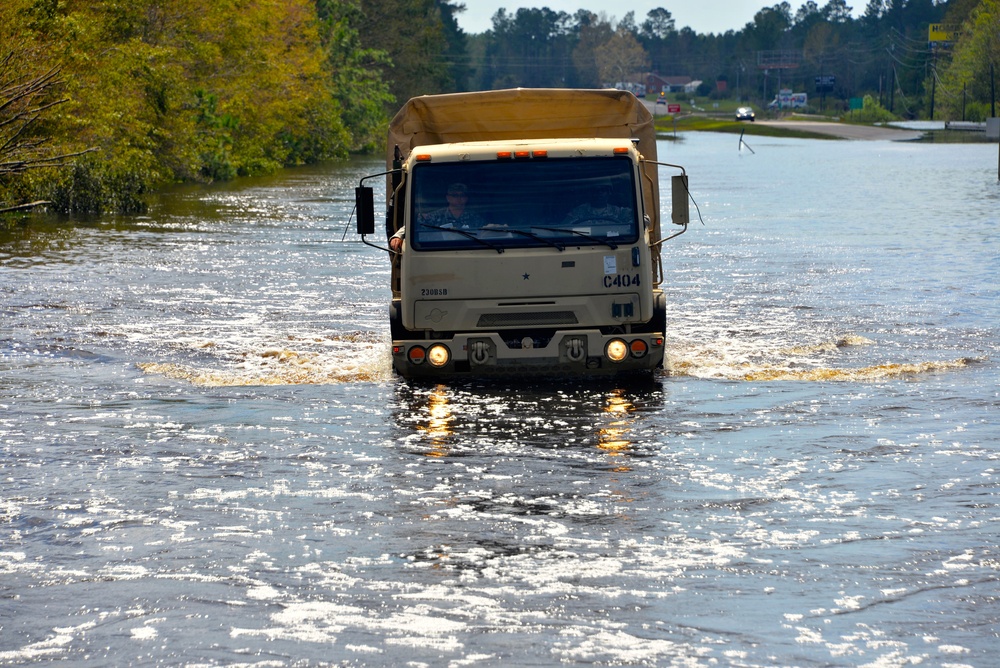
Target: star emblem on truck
{"x": 526, "y": 276}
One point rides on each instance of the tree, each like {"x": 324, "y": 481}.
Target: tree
{"x": 357, "y": 85}
{"x": 456, "y": 51}
{"x": 592, "y": 35}
{"x": 659, "y": 24}
{"x": 620, "y": 57}
{"x": 807, "y": 13}
{"x": 173, "y": 90}
{"x": 627, "y": 23}
{"x": 412, "y": 34}
{"x": 769, "y": 26}
{"x": 25, "y": 96}
{"x": 970, "y": 77}
{"x": 836, "y": 11}
{"x": 530, "y": 48}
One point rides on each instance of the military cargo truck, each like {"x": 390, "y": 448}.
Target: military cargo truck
{"x": 524, "y": 234}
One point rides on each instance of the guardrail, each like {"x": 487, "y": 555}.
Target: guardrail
{"x": 965, "y": 126}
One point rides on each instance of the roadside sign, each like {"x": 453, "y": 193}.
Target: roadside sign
{"x": 938, "y": 32}
{"x": 825, "y": 83}
{"x": 673, "y": 108}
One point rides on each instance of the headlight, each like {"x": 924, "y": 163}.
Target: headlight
{"x": 616, "y": 350}
{"x": 438, "y": 355}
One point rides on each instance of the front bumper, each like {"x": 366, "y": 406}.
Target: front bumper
{"x": 565, "y": 353}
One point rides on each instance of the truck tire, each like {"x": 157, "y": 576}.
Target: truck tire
{"x": 396, "y": 329}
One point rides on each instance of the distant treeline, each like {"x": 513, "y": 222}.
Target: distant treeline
{"x": 101, "y": 102}
{"x": 886, "y": 53}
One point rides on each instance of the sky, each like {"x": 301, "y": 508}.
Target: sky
{"x": 702, "y": 16}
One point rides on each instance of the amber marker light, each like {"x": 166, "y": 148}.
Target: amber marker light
{"x": 438, "y": 355}
{"x": 504, "y": 155}
{"x": 621, "y": 150}
{"x": 417, "y": 355}
{"x": 423, "y": 157}
{"x": 522, "y": 154}
{"x": 540, "y": 154}
{"x": 616, "y": 350}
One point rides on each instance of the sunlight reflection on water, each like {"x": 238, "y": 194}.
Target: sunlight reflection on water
{"x": 207, "y": 459}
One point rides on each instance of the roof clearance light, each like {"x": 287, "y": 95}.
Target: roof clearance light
{"x": 438, "y": 355}
{"x": 616, "y": 350}
{"x": 423, "y": 157}
{"x": 621, "y": 150}
{"x": 540, "y": 154}
{"x": 504, "y": 155}
{"x": 522, "y": 154}
{"x": 417, "y": 355}
{"x": 638, "y": 348}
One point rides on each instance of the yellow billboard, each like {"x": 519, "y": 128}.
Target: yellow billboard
{"x": 938, "y": 32}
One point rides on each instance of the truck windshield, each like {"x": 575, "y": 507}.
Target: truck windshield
{"x": 516, "y": 204}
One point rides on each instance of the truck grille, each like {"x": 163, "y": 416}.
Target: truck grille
{"x": 527, "y": 319}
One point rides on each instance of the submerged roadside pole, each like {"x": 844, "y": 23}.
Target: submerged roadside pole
{"x": 993, "y": 133}
{"x": 993, "y": 124}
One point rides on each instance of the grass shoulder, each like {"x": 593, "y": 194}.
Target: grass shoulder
{"x": 717, "y": 123}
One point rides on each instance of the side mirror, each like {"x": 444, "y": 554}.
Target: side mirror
{"x": 364, "y": 202}
{"x": 680, "y": 213}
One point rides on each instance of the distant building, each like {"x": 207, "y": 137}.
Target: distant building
{"x": 657, "y": 83}
{"x": 637, "y": 89}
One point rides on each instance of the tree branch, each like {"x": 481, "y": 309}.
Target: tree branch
{"x": 24, "y": 207}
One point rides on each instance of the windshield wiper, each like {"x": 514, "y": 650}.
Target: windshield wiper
{"x": 467, "y": 235}
{"x": 580, "y": 234}
{"x": 539, "y": 237}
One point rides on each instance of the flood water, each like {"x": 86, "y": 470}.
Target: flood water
{"x": 206, "y": 460}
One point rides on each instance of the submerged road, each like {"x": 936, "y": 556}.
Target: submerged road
{"x": 847, "y": 131}
{"x": 833, "y": 129}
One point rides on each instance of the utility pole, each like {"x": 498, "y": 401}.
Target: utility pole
{"x": 892, "y": 92}
{"x": 993, "y": 93}
{"x": 933, "y": 89}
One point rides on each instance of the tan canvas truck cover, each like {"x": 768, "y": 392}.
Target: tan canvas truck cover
{"x": 531, "y": 113}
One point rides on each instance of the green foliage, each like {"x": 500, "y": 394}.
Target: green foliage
{"x": 871, "y": 112}
{"x": 967, "y": 81}
{"x": 216, "y": 138}
{"x": 181, "y": 90}
{"x": 359, "y": 89}
{"x": 976, "y": 112}
{"x": 93, "y": 186}
{"x": 519, "y": 42}
{"x": 886, "y": 50}
{"x": 414, "y": 37}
